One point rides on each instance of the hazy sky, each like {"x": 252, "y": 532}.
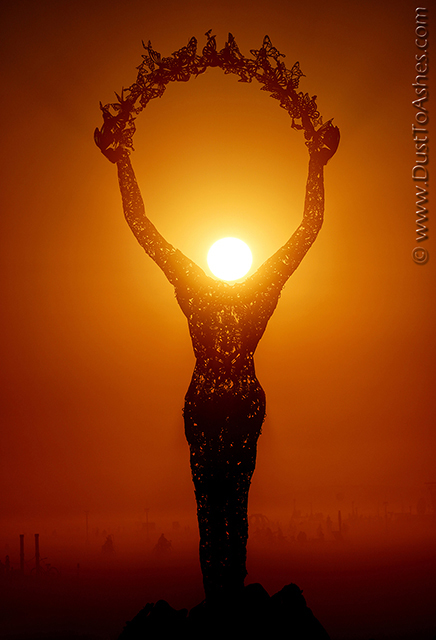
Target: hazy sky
{"x": 96, "y": 353}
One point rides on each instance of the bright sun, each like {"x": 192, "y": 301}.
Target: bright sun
{"x": 229, "y": 258}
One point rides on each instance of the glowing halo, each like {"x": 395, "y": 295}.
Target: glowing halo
{"x": 115, "y": 138}
{"x": 229, "y": 259}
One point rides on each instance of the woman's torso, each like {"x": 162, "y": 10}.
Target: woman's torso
{"x": 226, "y": 323}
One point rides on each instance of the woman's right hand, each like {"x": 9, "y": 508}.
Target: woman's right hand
{"x": 114, "y": 139}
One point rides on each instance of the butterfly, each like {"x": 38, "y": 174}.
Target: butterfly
{"x": 209, "y": 54}
{"x": 189, "y": 51}
{"x": 153, "y": 58}
{"x": 266, "y": 51}
{"x": 184, "y": 62}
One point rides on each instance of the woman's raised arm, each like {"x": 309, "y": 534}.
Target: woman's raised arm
{"x": 112, "y": 140}
{"x": 144, "y": 231}
{"x": 179, "y": 270}
{"x": 273, "y": 273}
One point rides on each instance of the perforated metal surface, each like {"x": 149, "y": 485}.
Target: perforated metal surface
{"x": 225, "y": 403}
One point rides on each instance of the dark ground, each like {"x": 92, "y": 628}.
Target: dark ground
{"x": 385, "y": 590}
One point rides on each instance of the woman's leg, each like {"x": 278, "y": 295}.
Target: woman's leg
{"x": 222, "y": 437}
{"x": 222, "y": 481}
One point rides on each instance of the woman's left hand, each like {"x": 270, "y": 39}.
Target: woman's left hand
{"x": 324, "y": 143}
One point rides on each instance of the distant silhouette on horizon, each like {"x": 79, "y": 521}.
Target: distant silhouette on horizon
{"x": 225, "y": 404}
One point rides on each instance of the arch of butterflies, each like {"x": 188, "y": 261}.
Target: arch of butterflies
{"x": 266, "y": 66}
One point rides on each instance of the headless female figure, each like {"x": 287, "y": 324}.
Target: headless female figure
{"x": 225, "y": 404}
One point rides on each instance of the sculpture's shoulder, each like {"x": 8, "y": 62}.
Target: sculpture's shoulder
{"x": 191, "y": 284}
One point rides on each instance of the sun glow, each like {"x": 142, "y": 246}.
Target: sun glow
{"x": 229, "y": 259}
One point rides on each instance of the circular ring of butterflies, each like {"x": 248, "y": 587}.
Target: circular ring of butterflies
{"x": 155, "y": 73}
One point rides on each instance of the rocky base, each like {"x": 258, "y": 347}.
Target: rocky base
{"x": 254, "y": 614}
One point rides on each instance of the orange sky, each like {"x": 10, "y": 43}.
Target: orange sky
{"x": 96, "y": 353}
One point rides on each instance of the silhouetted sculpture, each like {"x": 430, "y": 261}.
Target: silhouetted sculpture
{"x": 163, "y": 546}
{"x": 108, "y": 547}
{"x": 225, "y": 403}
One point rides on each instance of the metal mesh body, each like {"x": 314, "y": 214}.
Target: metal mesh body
{"x": 225, "y": 404}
